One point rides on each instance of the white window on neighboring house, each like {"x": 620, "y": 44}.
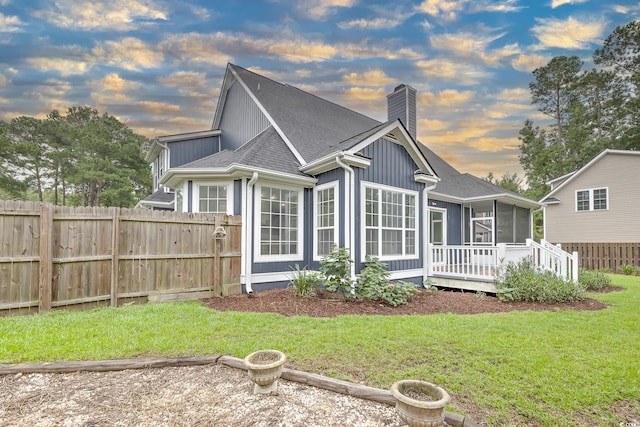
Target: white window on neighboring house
{"x": 592, "y": 199}
{"x": 390, "y": 218}
{"x": 325, "y": 216}
{"x": 214, "y": 198}
{"x": 279, "y": 225}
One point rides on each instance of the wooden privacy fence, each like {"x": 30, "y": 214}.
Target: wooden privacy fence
{"x": 605, "y": 256}
{"x": 52, "y": 256}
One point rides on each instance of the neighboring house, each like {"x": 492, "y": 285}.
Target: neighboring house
{"x": 596, "y": 205}
{"x": 306, "y": 174}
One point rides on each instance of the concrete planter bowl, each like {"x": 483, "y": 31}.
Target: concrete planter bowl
{"x": 419, "y": 403}
{"x": 264, "y": 368}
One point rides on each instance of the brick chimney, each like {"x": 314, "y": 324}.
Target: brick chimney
{"x": 401, "y": 104}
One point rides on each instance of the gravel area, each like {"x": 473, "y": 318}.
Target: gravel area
{"x": 212, "y": 395}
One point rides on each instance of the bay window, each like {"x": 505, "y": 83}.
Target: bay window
{"x": 390, "y": 222}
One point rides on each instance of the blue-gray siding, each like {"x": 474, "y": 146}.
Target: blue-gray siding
{"x": 237, "y": 197}
{"x": 402, "y": 105}
{"x": 390, "y": 165}
{"x": 454, "y": 220}
{"x": 183, "y": 152}
{"x": 241, "y": 120}
{"x": 325, "y": 178}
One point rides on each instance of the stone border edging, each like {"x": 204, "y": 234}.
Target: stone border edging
{"x": 315, "y": 380}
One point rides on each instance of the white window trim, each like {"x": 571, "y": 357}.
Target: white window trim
{"x": 257, "y": 212}
{"x": 336, "y": 210}
{"x": 196, "y": 194}
{"x": 591, "y": 200}
{"x": 444, "y": 223}
{"x": 363, "y": 223}
{"x": 183, "y": 191}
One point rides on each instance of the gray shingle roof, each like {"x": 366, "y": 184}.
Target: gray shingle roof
{"x": 316, "y": 128}
{"x": 312, "y": 124}
{"x": 266, "y": 151}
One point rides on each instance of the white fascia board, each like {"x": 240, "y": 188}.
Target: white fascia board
{"x": 275, "y": 125}
{"x": 189, "y": 135}
{"x": 227, "y": 82}
{"x": 507, "y": 198}
{"x": 403, "y": 138}
{"x": 328, "y": 163}
{"x": 173, "y": 177}
{"x": 426, "y": 179}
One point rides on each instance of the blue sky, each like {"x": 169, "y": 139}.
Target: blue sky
{"x": 158, "y": 65}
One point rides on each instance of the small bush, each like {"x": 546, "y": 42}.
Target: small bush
{"x": 336, "y": 272}
{"x": 306, "y": 282}
{"x": 593, "y": 280}
{"x": 522, "y": 281}
{"x": 628, "y": 269}
{"x": 373, "y": 283}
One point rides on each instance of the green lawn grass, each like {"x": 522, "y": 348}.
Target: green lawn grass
{"x": 538, "y": 368}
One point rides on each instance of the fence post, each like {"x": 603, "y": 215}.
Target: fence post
{"x": 45, "y": 255}
{"x": 575, "y": 266}
{"x": 115, "y": 254}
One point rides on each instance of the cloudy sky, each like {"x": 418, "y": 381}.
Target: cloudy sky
{"x": 158, "y": 65}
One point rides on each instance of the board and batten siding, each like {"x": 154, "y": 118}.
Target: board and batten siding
{"x": 392, "y": 166}
{"x": 183, "y": 152}
{"x": 241, "y": 119}
{"x": 620, "y": 174}
{"x": 454, "y": 220}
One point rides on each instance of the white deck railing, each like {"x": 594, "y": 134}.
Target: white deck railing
{"x": 553, "y": 258}
{"x": 483, "y": 262}
{"x": 467, "y": 262}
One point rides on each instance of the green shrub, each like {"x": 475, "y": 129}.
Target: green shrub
{"x": 628, "y": 269}
{"x": 522, "y": 281}
{"x": 373, "y": 283}
{"x": 593, "y": 280}
{"x": 336, "y": 272}
{"x": 306, "y": 282}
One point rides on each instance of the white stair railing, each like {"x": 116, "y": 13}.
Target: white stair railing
{"x": 552, "y": 258}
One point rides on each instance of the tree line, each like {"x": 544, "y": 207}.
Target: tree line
{"x": 81, "y": 158}
{"x": 590, "y": 110}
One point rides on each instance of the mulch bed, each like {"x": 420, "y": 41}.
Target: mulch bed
{"x": 326, "y": 304}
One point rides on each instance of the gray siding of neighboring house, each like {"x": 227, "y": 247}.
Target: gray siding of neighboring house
{"x": 241, "y": 119}
{"x": 454, "y": 220}
{"x": 620, "y": 174}
{"x": 390, "y": 165}
{"x": 182, "y": 152}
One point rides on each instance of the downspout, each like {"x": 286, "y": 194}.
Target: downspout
{"x": 425, "y": 234}
{"x": 249, "y": 234}
{"x": 349, "y": 235}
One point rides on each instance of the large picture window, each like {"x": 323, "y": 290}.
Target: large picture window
{"x": 280, "y": 224}
{"x": 390, "y": 222}
{"x": 325, "y": 219}
{"x": 592, "y": 200}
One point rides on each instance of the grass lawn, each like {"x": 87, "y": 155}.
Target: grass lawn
{"x": 536, "y": 368}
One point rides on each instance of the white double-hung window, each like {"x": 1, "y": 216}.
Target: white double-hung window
{"x": 592, "y": 200}
{"x": 280, "y": 223}
{"x": 325, "y": 217}
{"x": 390, "y": 219}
